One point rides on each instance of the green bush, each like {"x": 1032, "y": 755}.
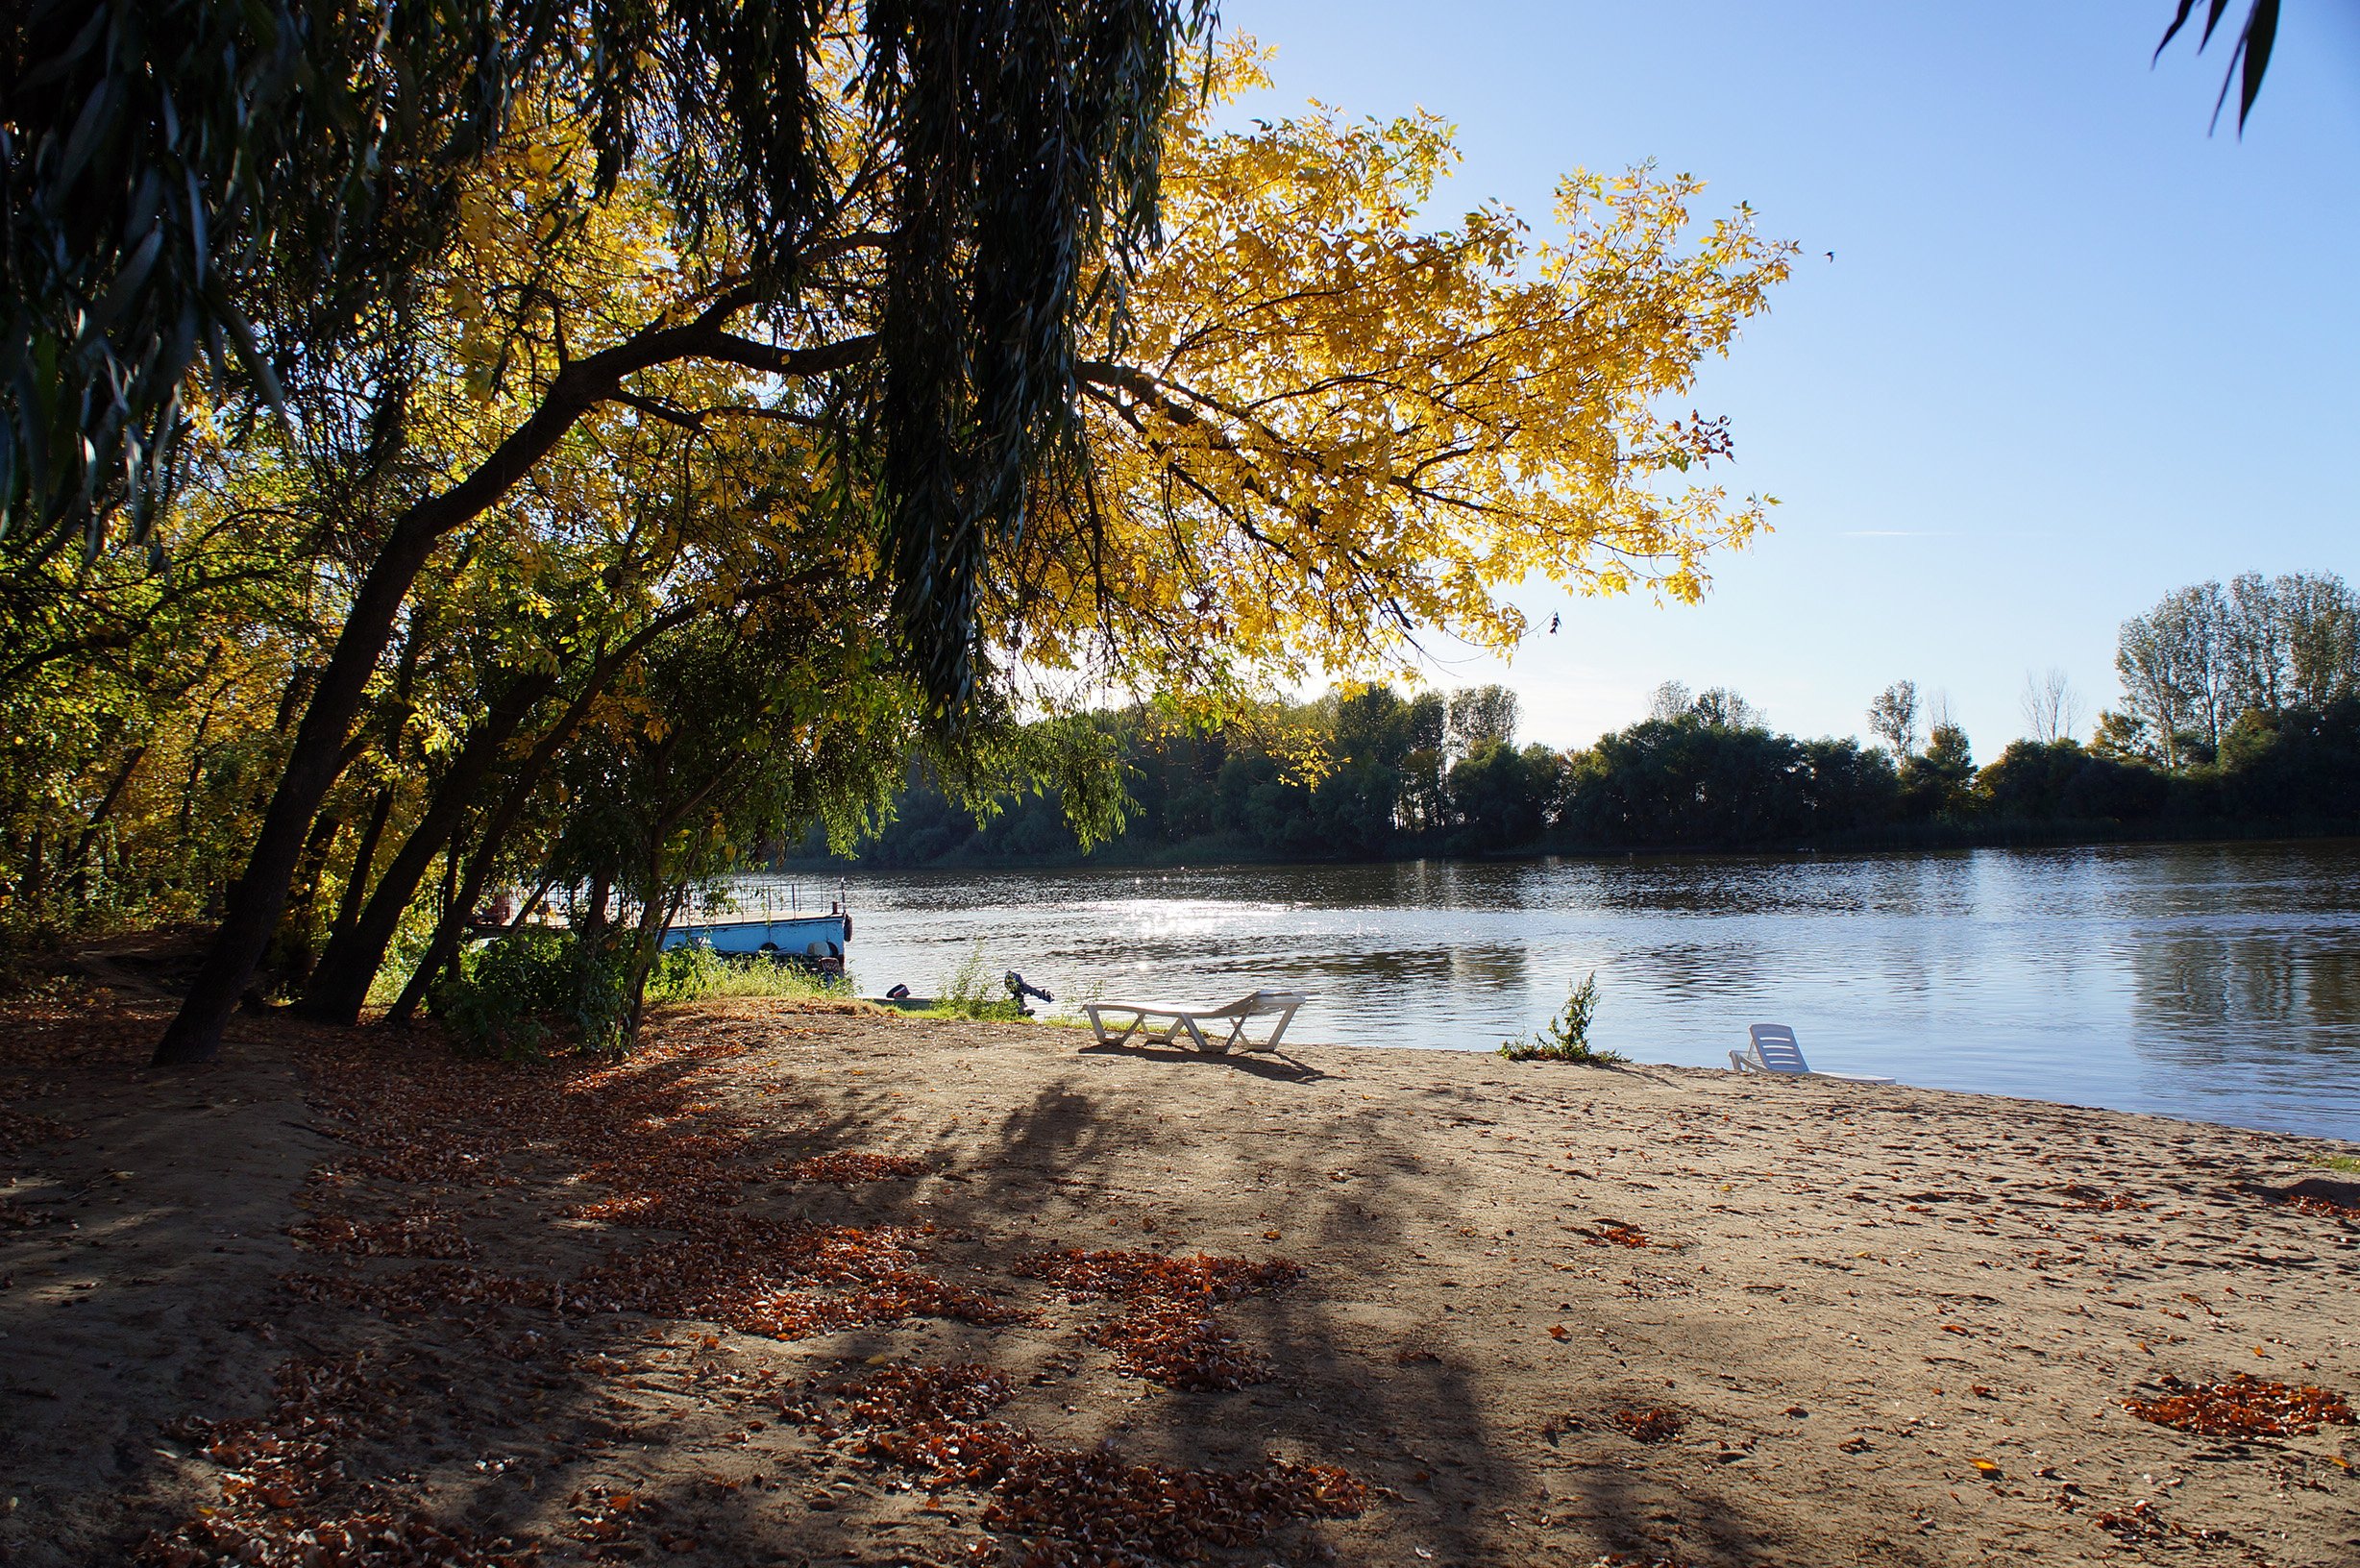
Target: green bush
{"x": 1565, "y": 1038}
{"x": 517, "y": 992}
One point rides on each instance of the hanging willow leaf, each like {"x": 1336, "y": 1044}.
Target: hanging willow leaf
{"x": 2248, "y": 60}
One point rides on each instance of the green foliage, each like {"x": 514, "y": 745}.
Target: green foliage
{"x": 2208, "y": 654}
{"x": 250, "y": 187}
{"x": 1692, "y": 778}
{"x": 2337, "y": 1162}
{"x": 1034, "y": 148}
{"x": 517, "y": 993}
{"x": 1690, "y": 782}
{"x": 138, "y": 721}
{"x": 402, "y": 954}
{"x": 2062, "y": 781}
{"x": 1565, "y": 1038}
{"x": 1501, "y": 797}
{"x": 692, "y": 971}
{"x": 1939, "y": 782}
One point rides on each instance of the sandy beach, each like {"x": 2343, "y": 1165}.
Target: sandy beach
{"x": 804, "y": 1286}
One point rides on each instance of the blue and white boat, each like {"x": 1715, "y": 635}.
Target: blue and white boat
{"x": 816, "y": 941}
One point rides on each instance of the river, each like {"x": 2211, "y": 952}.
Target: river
{"x": 2220, "y": 982}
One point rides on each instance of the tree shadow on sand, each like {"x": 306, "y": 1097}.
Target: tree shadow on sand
{"x": 647, "y": 1340}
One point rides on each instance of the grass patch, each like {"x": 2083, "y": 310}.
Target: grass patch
{"x": 2337, "y": 1162}
{"x": 690, "y": 974}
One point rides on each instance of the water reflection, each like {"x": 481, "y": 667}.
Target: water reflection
{"x": 2220, "y": 981}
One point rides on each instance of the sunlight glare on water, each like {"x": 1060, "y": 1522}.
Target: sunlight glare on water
{"x": 2214, "y": 981}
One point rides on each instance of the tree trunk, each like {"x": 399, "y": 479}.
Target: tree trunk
{"x": 259, "y": 895}
{"x": 290, "y": 956}
{"x": 30, "y": 884}
{"x": 79, "y": 859}
{"x": 365, "y": 867}
{"x": 340, "y": 983}
{"x": 655, "y": 916}
{"x": 593, "y": 924}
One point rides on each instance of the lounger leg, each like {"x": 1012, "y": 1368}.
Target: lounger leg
{"x": 1106, "y": 1035}
{"x": 1283, "y": 1019}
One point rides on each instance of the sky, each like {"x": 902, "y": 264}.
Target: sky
{"x": 2070, "y": 353}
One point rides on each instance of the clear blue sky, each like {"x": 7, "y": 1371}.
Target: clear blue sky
{"x": 2071, "y": 354}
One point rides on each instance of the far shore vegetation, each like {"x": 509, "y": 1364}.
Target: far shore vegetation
{"x": 2240, "y": 718}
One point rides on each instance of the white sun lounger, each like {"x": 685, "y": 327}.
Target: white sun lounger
{"x": 1213, "y": 1029}
{"x": 1772, "y": 1049}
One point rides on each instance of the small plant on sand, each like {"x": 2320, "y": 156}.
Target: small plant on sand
{"x": 2337, "y": 1162}
{"x": 969, "y": 991}
{"x": 1564, "y": 1038}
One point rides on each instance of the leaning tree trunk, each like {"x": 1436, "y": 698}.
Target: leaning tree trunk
{"x": 647, "y": 940}
{"x": 290, "y": 955}
{"x": 257, "y": 899}
{"x": 340, "y": 981}
{"x": 258, "y": 896}
{"x": 444, "y": 944}
{"x": 364, "y": 865}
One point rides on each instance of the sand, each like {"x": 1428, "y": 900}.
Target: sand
{"x": 1543, "y": 1313}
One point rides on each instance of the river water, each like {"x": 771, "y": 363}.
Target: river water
{"x": 2220, "y": 982}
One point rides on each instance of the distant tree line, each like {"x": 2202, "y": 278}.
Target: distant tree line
{"x": 2241, "y": 713}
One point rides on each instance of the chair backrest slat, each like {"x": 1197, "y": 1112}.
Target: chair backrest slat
{"x": 1774, "y": 1045}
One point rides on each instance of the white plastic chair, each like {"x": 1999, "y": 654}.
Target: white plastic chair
{"x": 1194, "y": 1021}
{"x": 1770, "y": 1047}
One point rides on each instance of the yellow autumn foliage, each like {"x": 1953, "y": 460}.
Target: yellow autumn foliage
{"x": 1332, "y": 426}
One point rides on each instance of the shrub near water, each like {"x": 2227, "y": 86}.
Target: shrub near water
{"x": 1564, "y": 1038}
{"x": 517, "y": 990}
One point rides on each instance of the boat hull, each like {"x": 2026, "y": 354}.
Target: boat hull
{"x": 808, "y": 938}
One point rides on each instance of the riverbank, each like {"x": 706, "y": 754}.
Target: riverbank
{"x": 1480, "y": 1311}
